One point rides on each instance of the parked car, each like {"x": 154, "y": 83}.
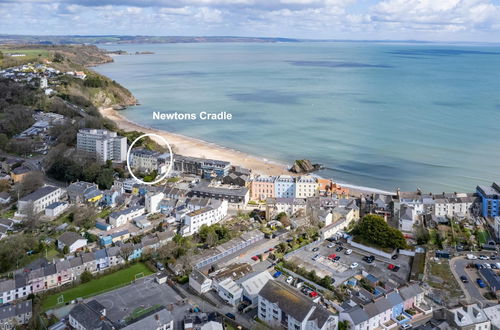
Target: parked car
{"x": 231, "y": 316}
{"x": 354, "y": 265}
{"x": 483, "y": 257}
{"x": 339, "y": 249}
{"x": 330, "y": 245}
{"x": 160, "y": 266}
{"x": 316, "y": 257}
{"x": 255, "y": 258}
{"x": 348, "y": 251}
{"x": 464, "y": 279}
{"x": 289, "y": 280}
{"x": 396, "y": 268}
{"x": 390, "y": 266}
{"x": 316, "y": 249}
{"x": 480, "y": 283}
{"x": 332, "y": 256}
{"x": 406, "y": 326}
{"x": 277, "y": 274}
{"x": 493, "y": 257}
{"x": 313, "y": 294}
{"x": 395, "y": 256}
{"x": 337, "y": 258}
{"x": 487, "y": 266}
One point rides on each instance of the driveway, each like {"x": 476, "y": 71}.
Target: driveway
{"x": 472, "y": 291}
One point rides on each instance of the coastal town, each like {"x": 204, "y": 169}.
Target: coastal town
{"x": 219, "y": 243}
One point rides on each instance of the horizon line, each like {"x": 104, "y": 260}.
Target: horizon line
{"x": 291, "y": 39}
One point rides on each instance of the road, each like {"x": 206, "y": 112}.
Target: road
{"x": 458, "y": 267}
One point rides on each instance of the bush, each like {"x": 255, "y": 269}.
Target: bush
{"x": 86, "y": 277}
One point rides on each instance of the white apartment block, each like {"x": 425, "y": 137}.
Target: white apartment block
{"x": 301, "y": 313}
{"x": 152, "y": 202}
{"x": 205, "y": 216}
{"x": 144, "y": 160}
{"x": 40, "y": 199}
{"x": 306, "y": 186}
{"x": 106, "y": 145}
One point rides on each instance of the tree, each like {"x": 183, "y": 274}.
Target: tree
{"x": 84, "y": 216}
{"x": 32, "y": 218}
{"x": 373, "y": 228}
{"x": 58, "y": 57}
{"x": 86, "y": 276}
{"x": 30, "y": 182}
{"x": 283, "y": 218}
{"x": 212, "y": 238}
{"x": 105, "y": 178}
{"x": 4, "y": 139}
{"x": 65, "y": 249}
{"x": 126, "y": 251}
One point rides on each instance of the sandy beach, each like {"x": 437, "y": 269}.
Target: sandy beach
{"x": 187, "y": 146}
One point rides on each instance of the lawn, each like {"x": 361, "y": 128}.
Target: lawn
{"x": 483, "y": 236}
{"x": 103, "y": 284}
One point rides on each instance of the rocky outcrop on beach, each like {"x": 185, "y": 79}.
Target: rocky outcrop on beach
{"x": 302, "y": 166}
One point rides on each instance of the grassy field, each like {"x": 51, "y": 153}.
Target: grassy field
{"x": 30, "y": 55}
{"x": 483, "y": 236}
{"x": 449, "y": 283}
{"x": 97, "y": 286}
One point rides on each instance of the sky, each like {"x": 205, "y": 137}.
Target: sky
{"x": 433, "y": 20}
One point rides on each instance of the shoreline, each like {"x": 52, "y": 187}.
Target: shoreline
{"x": 192, "y": 147}
{"x": 188, "y": 146}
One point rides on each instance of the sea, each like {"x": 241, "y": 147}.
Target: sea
{"x": 375, "y": 114}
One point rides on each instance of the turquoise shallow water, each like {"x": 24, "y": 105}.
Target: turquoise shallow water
{"x": 376, "y": 115}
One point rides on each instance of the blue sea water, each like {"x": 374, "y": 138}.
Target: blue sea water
{"x": 382, "y": 115}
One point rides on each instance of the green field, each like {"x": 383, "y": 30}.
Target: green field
{"x": 483, "y": 236}
{"x": 103, "y": 284}
{"x": 31, "y": 55}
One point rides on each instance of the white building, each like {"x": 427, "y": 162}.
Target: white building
{"x": 119, "y": 218}
{"x": 55, "y": 209}
{"x": 306, "y": 186}
{"x": 106, "y": 145}
{"x": 144, "y": 160}
{"x": 40, "y": 199}
{"x": 469, "y": 317}
{"x": 281, "y": 306}
{"x": 252, "y": 285}
{"x": 407, "y": 218}
{"x": 152, "y": 202}
{"x": 205, "y": 216}
{"x": 199, "y": 282}
{"x": 72, "y": 240}
{"x": 229, "y": 291}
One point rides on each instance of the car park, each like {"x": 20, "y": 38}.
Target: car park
{"x": 480, "y": 283}
{"x": 348, "y": 251}
{"x": 354, "y": 265}
{"x": 289, "y": 280}
{"x": 464, "y": 279}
